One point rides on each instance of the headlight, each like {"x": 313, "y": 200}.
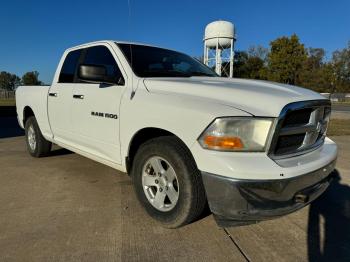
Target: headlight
{"x": 237, "y": 134}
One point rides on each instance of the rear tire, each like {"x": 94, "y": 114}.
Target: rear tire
{"x": 167, "y": 182}
{"x": 37, "y": 145}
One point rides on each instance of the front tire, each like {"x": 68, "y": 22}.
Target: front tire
{"x": 167, "y": 182}
{"x": 37, "y": 145}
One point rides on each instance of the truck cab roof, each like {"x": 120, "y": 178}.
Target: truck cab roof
{"x": 108, "y": 41}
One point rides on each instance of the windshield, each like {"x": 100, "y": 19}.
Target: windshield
{"x": 148, "y": 61}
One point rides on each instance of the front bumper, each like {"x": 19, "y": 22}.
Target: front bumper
{"x": 238, "y": 202}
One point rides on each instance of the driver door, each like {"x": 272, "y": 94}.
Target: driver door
{"x": 95, "y": 107}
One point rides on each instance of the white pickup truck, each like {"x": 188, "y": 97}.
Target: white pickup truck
{"x": 253, "y": 150}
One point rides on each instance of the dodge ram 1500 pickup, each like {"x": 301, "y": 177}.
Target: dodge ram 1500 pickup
{"x": 253, "y": 150}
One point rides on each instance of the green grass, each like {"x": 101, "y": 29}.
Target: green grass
{"x": 339, "y": 127}
{"x": 7, "y": 102}
{"x": 341, "y": 103}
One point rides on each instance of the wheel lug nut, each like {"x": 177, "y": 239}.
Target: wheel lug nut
{"x": 166, "y": 188}
{"x": 159, "y": 174}
{"x": 160, "y": 189}
{"x": 156, "y": 181}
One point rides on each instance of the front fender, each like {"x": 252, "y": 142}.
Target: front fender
{"x": 184, "y": 116}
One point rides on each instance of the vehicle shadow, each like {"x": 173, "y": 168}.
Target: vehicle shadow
{"x": 60, "y": 152}
{"x": 9, "y": 126}
{"x": 328, "y": 235}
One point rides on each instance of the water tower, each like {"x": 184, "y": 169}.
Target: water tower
{"x": 219, "y": 41}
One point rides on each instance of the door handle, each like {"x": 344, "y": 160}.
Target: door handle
{"x": 53, "y": 94}
{"x": 78, "y": 96}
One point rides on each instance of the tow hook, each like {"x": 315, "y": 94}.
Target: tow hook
{"x": 301, "y": 198}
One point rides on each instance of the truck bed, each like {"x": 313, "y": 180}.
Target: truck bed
{"x": 36, "y": 98}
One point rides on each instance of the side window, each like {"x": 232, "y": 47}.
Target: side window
{"x": 69, "y": 67}
{"x": 182, "y": 67}
{"x": 100, "y": 55}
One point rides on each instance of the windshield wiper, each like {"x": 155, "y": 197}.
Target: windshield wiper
{"x": 198, "y": 73}
{"x": 166, "y": 73}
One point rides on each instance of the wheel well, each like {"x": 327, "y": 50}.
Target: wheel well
{"x": 141, "y": 137}
{"x": 27, "y": 112}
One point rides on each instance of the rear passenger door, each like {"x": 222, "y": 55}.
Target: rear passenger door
{"x": 60, "y": 98}
{"x": 95, "y": 107}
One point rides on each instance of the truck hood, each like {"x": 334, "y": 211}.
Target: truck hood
{"x": 259, "y": 98}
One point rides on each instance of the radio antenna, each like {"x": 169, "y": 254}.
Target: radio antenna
{"x": 130, "y": 47}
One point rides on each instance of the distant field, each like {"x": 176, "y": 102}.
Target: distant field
{"x": 7, "y": 102}
{"x": 339, "y": 127}
{"x": 341, "y": 103}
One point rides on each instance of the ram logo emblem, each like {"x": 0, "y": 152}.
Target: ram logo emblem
{"x": 106, "y": 115}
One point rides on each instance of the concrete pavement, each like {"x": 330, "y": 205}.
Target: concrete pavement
{"x": 68, "y": 208}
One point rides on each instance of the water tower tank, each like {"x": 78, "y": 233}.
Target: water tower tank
{"x": 219, "y": 32}
{"x": 219, "y": 38}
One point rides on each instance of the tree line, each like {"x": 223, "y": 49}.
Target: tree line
{"x": 10, "y": 81}
{"x": 288, "y": 61}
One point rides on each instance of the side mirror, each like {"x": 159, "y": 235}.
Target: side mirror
{"x": 96, "y": 74}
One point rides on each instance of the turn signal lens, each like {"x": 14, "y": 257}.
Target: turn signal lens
{"x": 226, "y": 143}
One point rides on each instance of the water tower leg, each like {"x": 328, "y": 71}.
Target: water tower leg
{"x": 219, "y": 66}
{"x": 218, "y": 58}
{"x": 207, "y": 55}
{"x": 231, "y": 59}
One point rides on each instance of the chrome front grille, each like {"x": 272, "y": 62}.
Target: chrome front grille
{"x": 301, "y": 127}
